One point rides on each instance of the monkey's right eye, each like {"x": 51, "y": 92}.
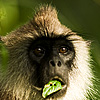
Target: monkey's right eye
{"x": 39, "y": 51}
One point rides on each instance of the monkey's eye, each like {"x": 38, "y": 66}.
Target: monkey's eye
{"x": 63, "y": 50}
{"x": 39, "y": 51}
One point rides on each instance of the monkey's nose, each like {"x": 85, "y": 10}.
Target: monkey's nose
{"x": 55, "y": 63}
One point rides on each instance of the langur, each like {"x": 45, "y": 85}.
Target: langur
{"x": 44, "y": 50}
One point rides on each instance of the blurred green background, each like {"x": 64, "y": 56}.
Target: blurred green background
{"x": 82, "y": 16}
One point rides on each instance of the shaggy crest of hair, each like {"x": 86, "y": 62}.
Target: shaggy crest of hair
{"x": 46, "y": 22}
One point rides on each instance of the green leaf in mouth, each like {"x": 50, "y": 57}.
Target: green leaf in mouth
{"x": 51, "y": 87}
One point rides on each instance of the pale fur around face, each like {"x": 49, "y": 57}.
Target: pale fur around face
{"x": 16, "y": 79}
{"x": 81, "y": 75}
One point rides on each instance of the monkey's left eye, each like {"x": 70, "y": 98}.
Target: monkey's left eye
{"x": 63, "y": 50}
{"x": 39, "y": 51}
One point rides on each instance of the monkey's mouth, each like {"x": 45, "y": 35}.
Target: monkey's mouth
{"x": 63, "y": 83}
{"x": 58, "y": 88}
{"x": 59, "y": 92}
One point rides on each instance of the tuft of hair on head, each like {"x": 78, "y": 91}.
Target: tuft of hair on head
{"x": 46, "y": 22}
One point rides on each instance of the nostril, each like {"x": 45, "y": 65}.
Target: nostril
{"x": 59, "y": 63}
{"x": 52, "y": 63}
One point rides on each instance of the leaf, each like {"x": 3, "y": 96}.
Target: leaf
{"x": 51, "y": 87}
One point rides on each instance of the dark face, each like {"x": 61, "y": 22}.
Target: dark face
{"x": 52, "y": 58}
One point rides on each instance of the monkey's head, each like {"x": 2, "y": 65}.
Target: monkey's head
{"x": 44, "y": 50}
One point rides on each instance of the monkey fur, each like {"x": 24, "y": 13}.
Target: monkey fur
{"x": 15, "y": 82}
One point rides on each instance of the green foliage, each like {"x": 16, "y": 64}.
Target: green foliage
{"x": 9, "y": 15}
